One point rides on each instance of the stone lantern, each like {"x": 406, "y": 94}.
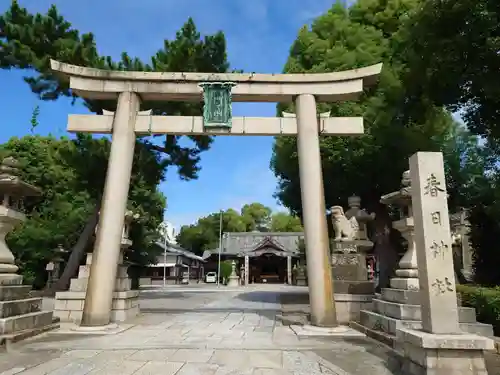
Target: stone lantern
{"x": 129, "y": 218}
{"x": 233, "y": 278}
{"x": 54, "y": 266}
{"x": 12, "y": 192}
{"x": 21, "y": 315}
{"x": 363, "y": 243}
{"x": 407, "y": 272}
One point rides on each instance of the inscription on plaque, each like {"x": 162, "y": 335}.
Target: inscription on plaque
{"x": 217, "y": 108}
{"x": 349, "y": 267}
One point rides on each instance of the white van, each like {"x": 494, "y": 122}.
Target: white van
{"x": 211, "y": 277}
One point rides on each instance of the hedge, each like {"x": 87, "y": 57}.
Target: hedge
{"x": 486, "y": 301}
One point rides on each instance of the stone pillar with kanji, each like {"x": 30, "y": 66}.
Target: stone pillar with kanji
{"x": 440, "y": 347}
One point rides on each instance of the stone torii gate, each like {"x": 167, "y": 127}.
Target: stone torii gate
{"x": 217, "y": 90}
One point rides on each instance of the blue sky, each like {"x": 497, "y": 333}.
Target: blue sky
{"x": 259, "y": 34}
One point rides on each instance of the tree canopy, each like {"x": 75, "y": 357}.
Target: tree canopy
{"x": 452, "y": 48}
{"x": 67, "y": 172}
{"x": 370, "y": 165}
{"x": 28, "y": 41}
{"x": 204, "y": 234}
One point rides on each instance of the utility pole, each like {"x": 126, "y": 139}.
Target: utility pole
{"x": 220, "y": 248}
{"x": 164, "y": 254}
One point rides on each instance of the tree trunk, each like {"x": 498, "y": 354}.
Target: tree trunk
{"x": 78, "y": 251}
{"x": 384, "y": 249}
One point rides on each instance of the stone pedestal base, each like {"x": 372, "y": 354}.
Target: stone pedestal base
{"x": 350, "y": 275}
{"x": 301, "y": 280}
{"x": 340, "y": 331}
{"x": 233, "y": 281}
{"x": 431, "y": 354}
{"x": 349, "y": 267}
{"x": 69, "y": 305}
{"x": 295, "y": 307}
{"x": 397, "y": 309}
{"x": 21, "y": 316}
{"x": 353, "y": 287}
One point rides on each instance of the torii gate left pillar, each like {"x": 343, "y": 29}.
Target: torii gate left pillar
{"x": 128, "y": 87}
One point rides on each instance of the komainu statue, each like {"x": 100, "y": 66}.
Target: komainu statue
{"x": 345, "y": 230}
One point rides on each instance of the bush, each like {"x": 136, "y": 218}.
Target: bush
{"x": 226, "y": 267}
{"x": 486, "y": 301}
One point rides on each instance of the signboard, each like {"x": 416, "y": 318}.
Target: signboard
{"x": 217, "y": 109}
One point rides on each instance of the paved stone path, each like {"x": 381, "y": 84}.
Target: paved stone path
{"x": 223, "y": 333}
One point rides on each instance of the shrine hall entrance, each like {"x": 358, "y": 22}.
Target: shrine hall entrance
{"x": 268, "y": 268}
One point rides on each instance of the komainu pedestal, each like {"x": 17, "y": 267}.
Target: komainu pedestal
{"x": 20, "y": 315}
{"x": 353, "y": 291}
{"x": 350, "y": 275}
{"x": 69, "y": 304}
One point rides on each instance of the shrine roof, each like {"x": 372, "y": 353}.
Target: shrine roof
{"x": 238, "y": 243}
{"x": 178, "y": 250}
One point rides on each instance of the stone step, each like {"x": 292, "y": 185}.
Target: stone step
{"x": 19, "y": 307}
{"x": 480, "y": 329}
{"x": 14, "y": 292}
{"x": 380, "y": 336}
{"x": 80, "y": 285}
{"x": 413, "y": 312}
{"x": 24, "y": 322}
{"x": 378, "y": 322}
{"x": 411, "y": 297}
{"x": 353, "y": 287}
{"x": 9, "y": 339}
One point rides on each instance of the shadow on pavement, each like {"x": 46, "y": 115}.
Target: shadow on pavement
{"x": 260, "y": 296}
{"x": 157, "y": 310}
{"x": 166, "y": 295}
{"x": 295, "y": 298}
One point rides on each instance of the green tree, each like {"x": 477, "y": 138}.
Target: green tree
{"x": 452, "y": 49}
{"x": 256, "y": 217}
{"x": 28, "y": 41}
{"x": 70, "y": 190}
{"x": 369, "y": 165}
{"x": 226, "y": 268}
{"x": 284, "y": 222}
{"x": 204, "y": 234}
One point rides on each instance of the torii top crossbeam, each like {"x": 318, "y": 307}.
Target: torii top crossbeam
{"x": 93, "y": 83}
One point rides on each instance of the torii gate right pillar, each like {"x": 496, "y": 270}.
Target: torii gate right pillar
{"x": 313, "y": 212}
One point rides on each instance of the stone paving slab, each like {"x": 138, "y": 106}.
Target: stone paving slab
{"x": 245, "y": 339}
{"x": 179, "y": 362}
